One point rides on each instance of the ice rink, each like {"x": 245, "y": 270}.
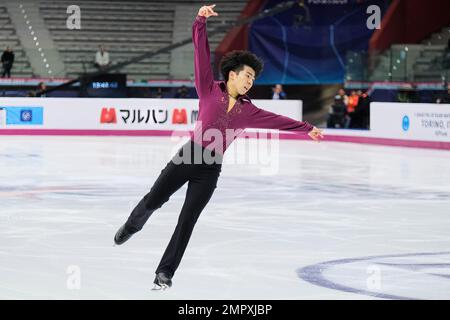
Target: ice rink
{"x": 329, "y": 220}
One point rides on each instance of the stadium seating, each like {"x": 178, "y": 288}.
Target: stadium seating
{"x": 126, "y": 30}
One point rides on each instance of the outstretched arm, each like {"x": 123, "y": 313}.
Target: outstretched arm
{"x": 263, "y": 119}
{"x": 202, "y": 61}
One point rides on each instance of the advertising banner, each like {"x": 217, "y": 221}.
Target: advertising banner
{"x": 117, "y": 114}
{"x": 410, "y": 121}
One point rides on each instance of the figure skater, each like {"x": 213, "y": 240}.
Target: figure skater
{"x": 224, "y": 108}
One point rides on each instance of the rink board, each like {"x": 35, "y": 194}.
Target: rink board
{"x": 396, "y": 124}
{"x": 121, "y": 114}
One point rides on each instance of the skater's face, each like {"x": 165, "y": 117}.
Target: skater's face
{"x": 242, "y": 81}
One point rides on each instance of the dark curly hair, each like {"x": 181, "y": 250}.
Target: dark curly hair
{"x": 237, "y": 59}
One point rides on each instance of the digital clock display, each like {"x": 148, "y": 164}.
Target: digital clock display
{"x": 105, "y": 86}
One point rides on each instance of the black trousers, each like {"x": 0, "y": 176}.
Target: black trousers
{"x": 202, "y": 176}
{"x": 7, "y": 70}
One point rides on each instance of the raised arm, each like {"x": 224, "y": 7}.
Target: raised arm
{"x": 202, "y": 60}
{"x": 262, "y": 119}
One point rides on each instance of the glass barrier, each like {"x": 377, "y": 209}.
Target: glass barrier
{"x": 409, "y": 63}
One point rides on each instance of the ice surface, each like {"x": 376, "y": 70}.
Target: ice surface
{"x": 381, "y": 215}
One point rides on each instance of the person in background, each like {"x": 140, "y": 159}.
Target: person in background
{"x": 102, "y": 59}
{"x": 343, "y": 95}
{"x": 278, "y": 93}
{"x": 364, "y": 108}
{"x": 7, "y": 62}
{"x": 444, "y": 98}
{"x": 182, "y": 93}
{"x": 360, "y": 117}
{"x": 159, "y": 94}
{"x": 408, "y": 95}
{"x": 40, "y": 90}
{"x": 337, "y": 114}
{"x": 352, "y": 103}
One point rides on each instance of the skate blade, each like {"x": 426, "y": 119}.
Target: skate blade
{"x": 162, "y": 287}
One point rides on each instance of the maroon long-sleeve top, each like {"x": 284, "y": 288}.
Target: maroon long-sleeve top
{"x": 216, "y": 128}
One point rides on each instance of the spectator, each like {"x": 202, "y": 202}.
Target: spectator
{"x": 159, "y": 93}
{"x": 360, "y": 117}
{"x": 40, "y": 90}
{"x": 102, "y": 59}
{"x": 364, "y": 108}
{"x": 402, "y": 96}
{"x": 278, "y": 93}
{"x": 352, "y": 102}
{"x": 408, "y": 95}
{"x": 7, "y": 62}
{"x": 182, "y": 92}
{"x": 444, "y": 97}
{"x": 343, "y": 95}
{"x": 338, "y": 113}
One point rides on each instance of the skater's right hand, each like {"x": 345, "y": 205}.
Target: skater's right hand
{"x": 207, "y": 11}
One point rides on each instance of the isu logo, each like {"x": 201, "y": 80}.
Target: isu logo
{"x": 179, "y": 116}
{"x": 108, "y": 115}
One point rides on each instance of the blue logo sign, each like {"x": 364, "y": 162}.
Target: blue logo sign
{"x": 24, "y": 115}
{"x": 405, "y": 123}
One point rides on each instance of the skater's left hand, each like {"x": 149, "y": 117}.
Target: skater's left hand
{"x": 316, "y": 134}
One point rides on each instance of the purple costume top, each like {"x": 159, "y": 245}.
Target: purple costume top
{"x": 214, "y": 99}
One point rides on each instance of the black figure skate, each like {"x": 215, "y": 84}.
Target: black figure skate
{"x": 122, "y": 235}
{"x": 162, "y": 281}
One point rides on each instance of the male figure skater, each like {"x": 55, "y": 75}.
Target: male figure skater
{"x": 223, "y": 106}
